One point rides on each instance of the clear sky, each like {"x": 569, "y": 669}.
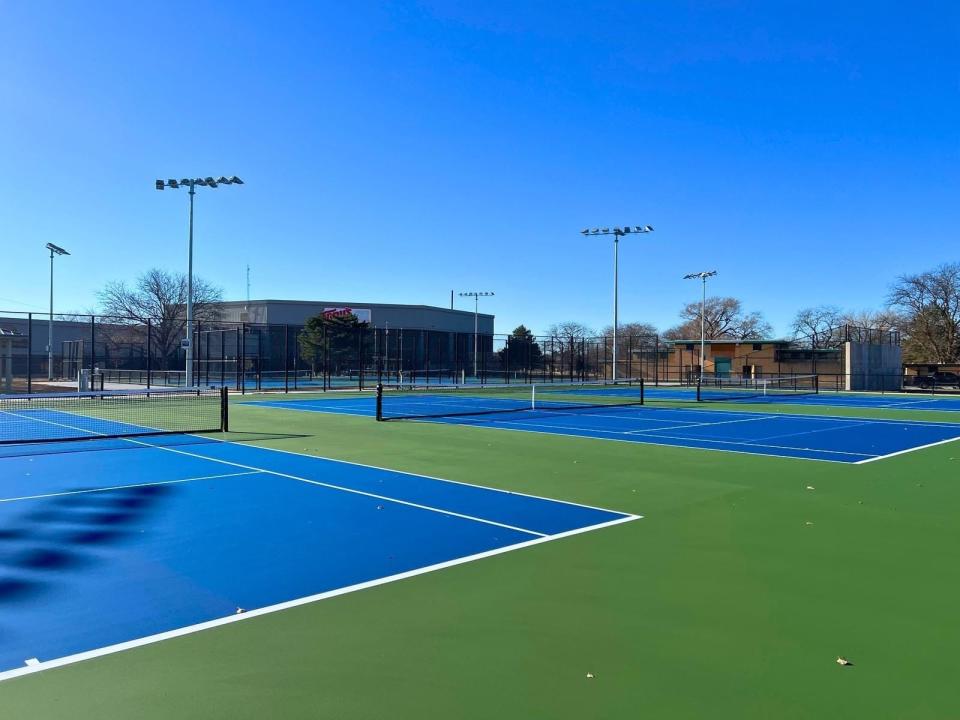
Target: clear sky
{"x": 394, "y": 151}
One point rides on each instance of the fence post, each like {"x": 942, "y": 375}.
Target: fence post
{"x": 93, "y": 344}
{"x": 286, "y": 358}
{"x": 29, "y": 353}
{"x": 149, "y": 353}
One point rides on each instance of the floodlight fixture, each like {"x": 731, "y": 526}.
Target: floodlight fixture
{"x": 617, "y": 233}
{"x": 476, "y": 295}
{"x": 702, "y": 276}
{"x": 191, "y": 185}
{"x": 54, "y": 250}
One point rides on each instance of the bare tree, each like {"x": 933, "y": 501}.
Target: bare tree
{"x": 724, "y": 319}
{"x": 159, "y": 296}
{"x": 570, "y": 328}
{"x": 631, "y": 329}
{"x": 820, "y": 326}
{"x": 930, "y": 304}
{"x": 880, "y": 320}
{"x": 752, "y": 326}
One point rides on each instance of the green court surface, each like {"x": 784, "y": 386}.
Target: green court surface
{"x": 732, "y": 598}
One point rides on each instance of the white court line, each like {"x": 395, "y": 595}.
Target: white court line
{"x": 227, "y": 441}
{"x": 702, "y": 411}
{"x": 323, "y": 484}
{"x": 811, "y": 432}
{"x": 908, "y": 450}
{"x": 125, "y": 487}
{"x": 179, "y": 632}
{"x": 342, "y": 488}
{"x": 705, "y": 424}
{"x": 646, "y": 433}
{"x": 644, "y": 441}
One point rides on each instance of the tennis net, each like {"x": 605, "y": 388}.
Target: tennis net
{"x": 405, "y": 402}
{"x": 110, "y": 414}
{"x": 743, "y": 388}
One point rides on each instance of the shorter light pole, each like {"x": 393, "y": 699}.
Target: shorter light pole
{"x": 54, "y": 250}
{"x": 702, "y": 276}
{"x": 476, "y": 310}
{"x": 617, "y": 234}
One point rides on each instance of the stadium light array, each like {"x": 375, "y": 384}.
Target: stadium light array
{"x": 617, "y": 233}
{"x": 476, "y": 308}
{"x": 191, "y": 184}
{"x": 702, "y": 276}
{"x": 54, "y": 250}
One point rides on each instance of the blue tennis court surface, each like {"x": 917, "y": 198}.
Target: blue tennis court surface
{"x": 905, "y": 401}
{"x": 107, "y": 542}
{"x": 837, "y": 439}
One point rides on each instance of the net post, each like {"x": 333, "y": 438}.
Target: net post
{"x": 643, "y": 400}
{"x": 379, "y": 402}
{"x": 224, "y": 409}
{"x": 699, "y": 398}
{"x": 816, "y": 384}
{"x": 533, "y": 397}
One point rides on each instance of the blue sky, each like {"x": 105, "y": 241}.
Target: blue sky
{"x": 395, "y": 151}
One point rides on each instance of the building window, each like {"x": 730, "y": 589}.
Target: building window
{"x": 757, "y": 346}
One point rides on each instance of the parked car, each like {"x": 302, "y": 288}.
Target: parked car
{"x": 938, "y": 380}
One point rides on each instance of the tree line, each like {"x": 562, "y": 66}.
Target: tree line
{"x": 923, "y": 307}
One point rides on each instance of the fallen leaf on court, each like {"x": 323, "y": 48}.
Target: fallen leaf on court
{"x": 843, "y": 661}
{"x": 590, "y": 676}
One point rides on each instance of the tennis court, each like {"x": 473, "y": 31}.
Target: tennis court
{"x": 115, "y": 542}
{"x": 615, "y": 413}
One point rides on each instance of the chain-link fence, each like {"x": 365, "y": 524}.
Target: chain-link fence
{"x": 117, "y": 352}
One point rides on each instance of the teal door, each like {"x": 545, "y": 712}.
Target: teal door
{"x": 722, "y": 366}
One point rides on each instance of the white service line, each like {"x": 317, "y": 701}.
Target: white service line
{"x": 811, "y": 432}
{"x": 705, "y": 424}
{"x": 126, "y": 487}
{"x": 417, "y": 475}
{"x": 179, "y": 632}
{"x": 908, "y": 450}
{"x": 342, "y": 488}
{"x": 647, "y": 440}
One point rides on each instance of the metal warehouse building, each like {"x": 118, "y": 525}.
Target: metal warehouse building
{"x": 379, "y": 315}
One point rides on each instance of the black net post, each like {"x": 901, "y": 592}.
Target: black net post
{"x": 643, "y": 397}
{"x": 379, "y": 402}
{"x": 224, "y": 409}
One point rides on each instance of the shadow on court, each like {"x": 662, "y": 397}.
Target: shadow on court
{"x": 40, "y": 548}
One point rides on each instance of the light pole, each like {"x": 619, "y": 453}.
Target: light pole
{"x": 192, "y": 183}
{"x": 617, "y": 234}
{"x": 476, "y": 307}
{"x": 702, "y": 276}
{"x": 54, "y": 250}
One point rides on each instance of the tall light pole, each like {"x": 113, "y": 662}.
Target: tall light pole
{"x": 192, "y": 183}
{"x": 702, "y": 276}
{"x": 617, "y": 234}
{"x": 476, "y": 308}
{"x": 54, "y": 250}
